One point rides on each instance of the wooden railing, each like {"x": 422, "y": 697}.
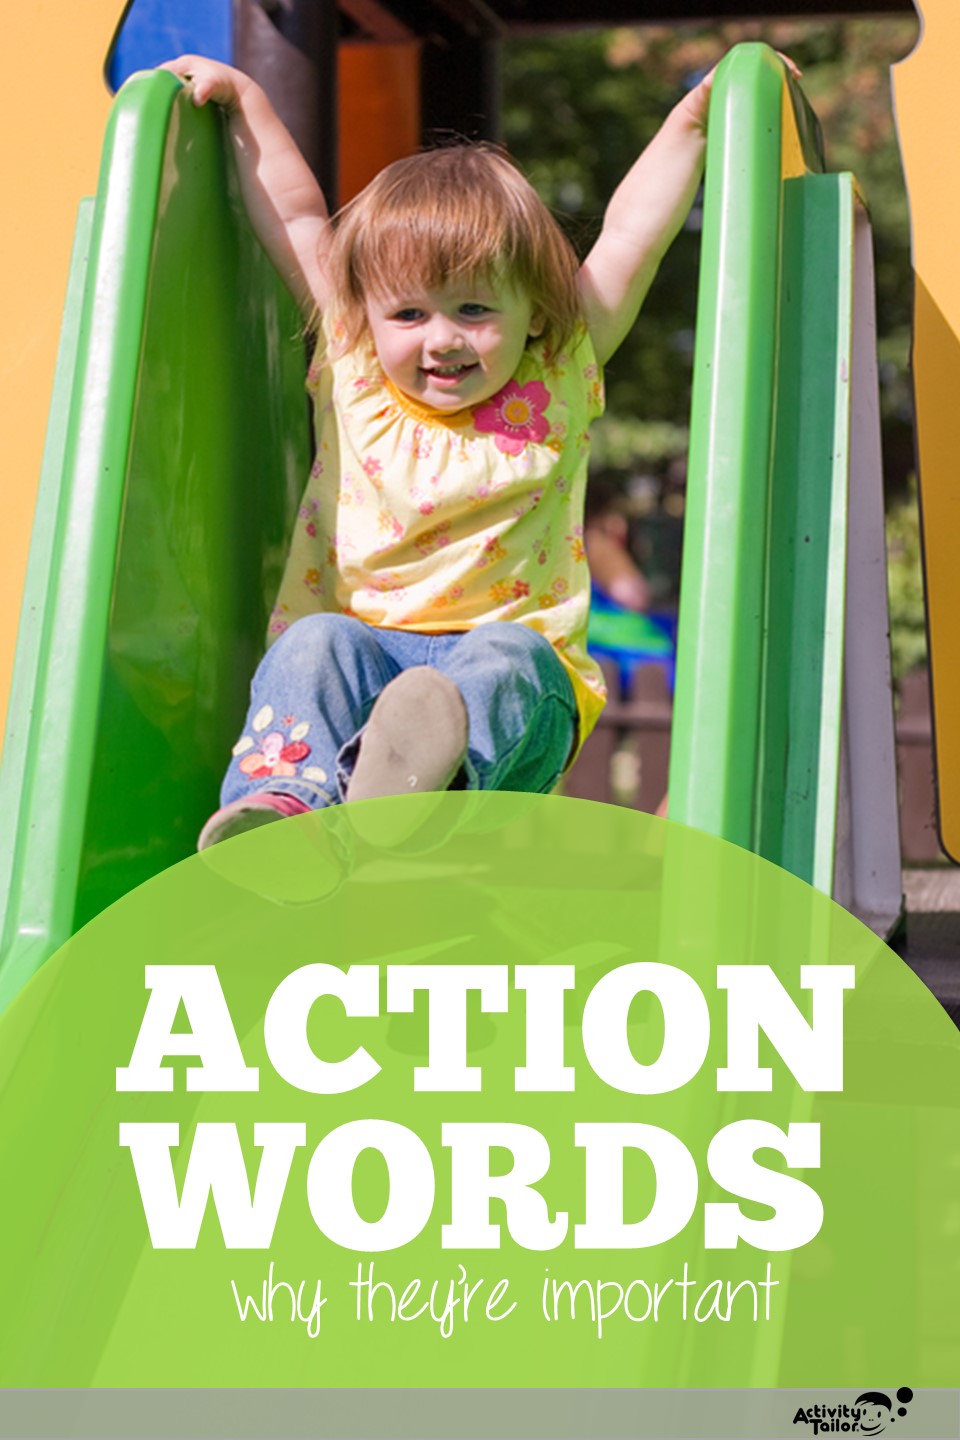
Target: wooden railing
{"x": 627, "y": 757}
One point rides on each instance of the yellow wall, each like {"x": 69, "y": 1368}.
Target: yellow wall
{"x": 55, "y": 107}
{"x": 925, "y": 94}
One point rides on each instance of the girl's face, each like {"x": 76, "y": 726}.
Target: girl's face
{"x": 454, "y": 346}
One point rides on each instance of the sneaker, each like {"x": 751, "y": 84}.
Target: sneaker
{"x": 415, "y": 739}
{"x": 248, "y": 813}
{"x": 414, "y": 744}
{"x": 302, "y": 864}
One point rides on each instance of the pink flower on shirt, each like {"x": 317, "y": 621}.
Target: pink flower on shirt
{"x": 515, "y": 416}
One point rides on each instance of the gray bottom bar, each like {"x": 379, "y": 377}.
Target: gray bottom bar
{"x": 472, "y": 1414}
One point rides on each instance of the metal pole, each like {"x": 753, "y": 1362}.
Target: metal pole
{"x": 290, "y": 48}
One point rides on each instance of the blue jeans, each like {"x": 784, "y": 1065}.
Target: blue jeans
{"x": 315, "y": 687}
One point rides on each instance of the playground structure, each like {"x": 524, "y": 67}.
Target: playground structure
{"x": 147, "y": 637}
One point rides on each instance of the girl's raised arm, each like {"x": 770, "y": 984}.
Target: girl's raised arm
{"x": 647, "y": 210}
{"x": 285, "y": 204}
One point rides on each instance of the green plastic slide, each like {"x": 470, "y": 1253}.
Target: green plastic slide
{"x": 177, "y": 448}
{"x": 783, "y": 728}
{"x": 179, "y": 442}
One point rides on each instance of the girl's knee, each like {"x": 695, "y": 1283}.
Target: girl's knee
{"x": 315, "y": 642}
{"x": 514, "y": 646}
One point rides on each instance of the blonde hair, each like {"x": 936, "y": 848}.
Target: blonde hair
{"x": 459, "y": 213}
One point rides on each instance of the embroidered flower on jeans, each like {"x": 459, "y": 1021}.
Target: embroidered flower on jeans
{"x": 275, "y": 757}
{"x": 515, "y": 416}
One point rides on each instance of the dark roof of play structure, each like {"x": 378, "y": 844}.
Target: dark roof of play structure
{"x": 446, "y": 19}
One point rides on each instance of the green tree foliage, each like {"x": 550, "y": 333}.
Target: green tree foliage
{"x": 908, "y": 631}
{"x": 579, "y": 107}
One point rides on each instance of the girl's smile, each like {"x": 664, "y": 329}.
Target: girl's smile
{"x": 453, "y": 346}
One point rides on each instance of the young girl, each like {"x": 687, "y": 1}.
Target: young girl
{"x": 431, "y": 626}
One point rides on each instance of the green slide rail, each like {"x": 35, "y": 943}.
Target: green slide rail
{"x": 177, "y": 447}
{"x": 781, "y": 441}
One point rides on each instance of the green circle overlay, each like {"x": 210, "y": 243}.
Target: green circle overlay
{"x": 499, "y": 880}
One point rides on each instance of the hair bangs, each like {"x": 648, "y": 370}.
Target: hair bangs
{"x": 460, "y": 214}
{"x": 425, "y": 253}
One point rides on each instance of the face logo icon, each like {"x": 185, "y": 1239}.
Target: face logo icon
{"x": 876, "y": 1409}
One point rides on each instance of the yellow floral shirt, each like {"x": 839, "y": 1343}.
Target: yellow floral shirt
{"x": 417, "y": 520}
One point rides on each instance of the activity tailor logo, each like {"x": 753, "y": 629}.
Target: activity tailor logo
{"x": 870, "y": 1414}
